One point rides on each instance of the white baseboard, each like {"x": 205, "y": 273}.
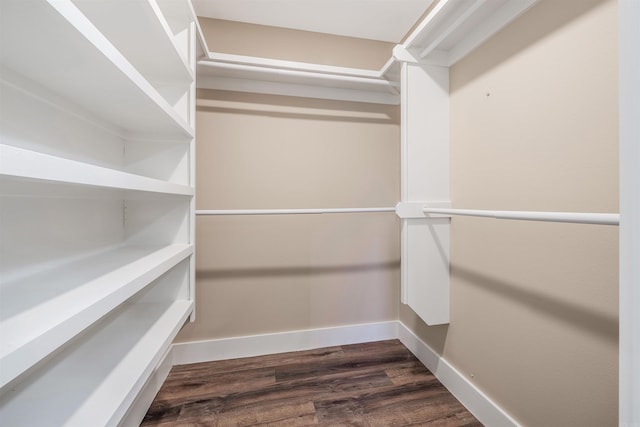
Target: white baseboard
{"x": 479, "y": 404}
{"x": 257, "y": 345}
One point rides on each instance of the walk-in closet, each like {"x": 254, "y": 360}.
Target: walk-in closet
{"x": 319, "y": 212}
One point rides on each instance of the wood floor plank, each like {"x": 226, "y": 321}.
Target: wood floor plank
{"x": 409, "y": 373}
{"x": 204, "y": 385}
{"x": 294, "y": 414}
{"x": 284, "y": 393}
{"x": 350, "y": 361}
{"x": 386, "y": 403}
{"x": 371, "y": 384}
{"x": 246, "y": 363}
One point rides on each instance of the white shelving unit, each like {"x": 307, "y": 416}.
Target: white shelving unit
{"x": 21, "y": 163}
{"x": 450, "y": 31}
{"x": 272, "y": 76}
{"x": 455, "y": 28}
{"x": 97, "y": 210}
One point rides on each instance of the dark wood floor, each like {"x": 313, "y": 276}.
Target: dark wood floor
{"x": 373, "y": 384}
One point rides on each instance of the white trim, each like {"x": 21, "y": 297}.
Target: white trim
{"x": 279, "y": 64}
{"x": 443, "y": 34}
{"x": 391, "y": 70}
{"x": 478, "y": 403}
{"x": 296, "y": 90}
{"x": 281, "y": 342}
{"x": 453, "y": 28}
{"x": 479, "y": 32}
{"x": 629, "y": 146}
{"x": 202, "y": 49}
{"x": 260, "y": 71}
{"x": 277, "y": 77}
{"x": 423, "y": 27}
{"x": 462, "y": 25}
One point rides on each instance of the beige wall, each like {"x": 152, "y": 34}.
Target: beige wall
{"x": 281, "y": 273}
{"x": 294, "y": 45}
{"x": 534, "y": 127}
{"x": 534, "y": 305}
{"x": 267, "y": 274}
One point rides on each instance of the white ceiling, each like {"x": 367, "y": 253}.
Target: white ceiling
{"x": 386, "y": 20}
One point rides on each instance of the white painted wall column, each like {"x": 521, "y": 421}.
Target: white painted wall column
{"x": 629, "y": 90}
{"x": 425, "y": 182}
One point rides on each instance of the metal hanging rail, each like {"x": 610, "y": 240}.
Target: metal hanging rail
{"x": 570, "y": 217}
{"x": 292, "y": 211}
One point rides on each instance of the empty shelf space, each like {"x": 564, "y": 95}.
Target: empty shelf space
{"x": 143, "y": 36}
{"x": 97, "y": 119}
{"x": 42, "y": 312}
{"x": 74, "y": 59}
{"x": 21, "y": 163}
{"x": 96, "y": 378}
{"x": 182, "y": 21}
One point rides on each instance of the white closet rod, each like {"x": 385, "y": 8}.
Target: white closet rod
{"x": 572, "y": 217}
{"x": 290, "y": 211}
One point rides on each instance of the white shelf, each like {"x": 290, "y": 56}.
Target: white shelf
{"x": 142, "y": 35}
{"x": 69, "y": 56}
{"x": 97, "y": 196}
{"x": 271, "y": 76}
{"x": 182, "y": 22}
{"x": 95, "y": 384}
{"x": 454, "y": 28}
{"x": 279, "y": 64}
{"x": 21, "y": 163}
{"x": 42, "y": 312}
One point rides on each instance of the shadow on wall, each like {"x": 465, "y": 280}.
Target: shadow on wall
{"x": 244, "y": 273}
{"x": 593, "y": 322}
{"x": 296, "y": 108}
{"x": 562, "y": 12}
